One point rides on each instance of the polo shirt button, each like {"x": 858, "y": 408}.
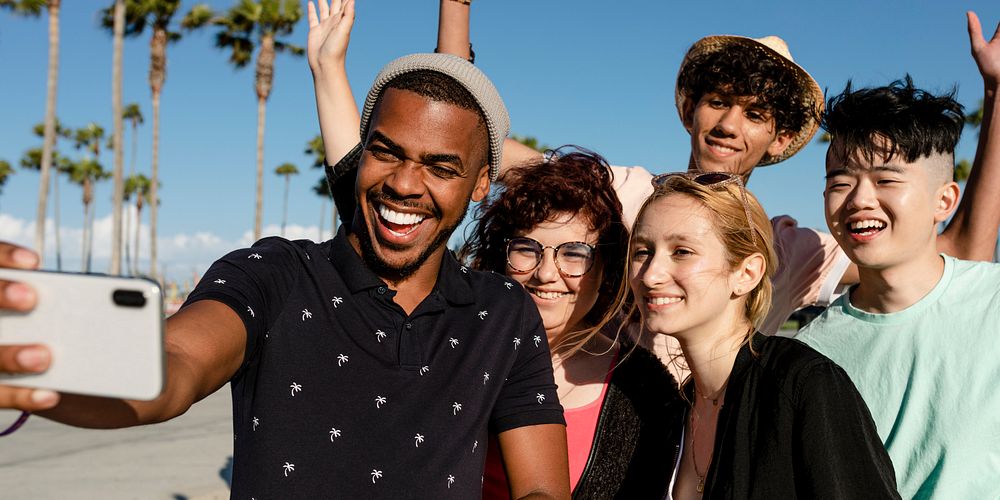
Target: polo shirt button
{"x": 409, "y": 326}
{"x": 381, "y": 290}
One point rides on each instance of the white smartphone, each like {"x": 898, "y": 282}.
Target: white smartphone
{"x": 105, "y": 333}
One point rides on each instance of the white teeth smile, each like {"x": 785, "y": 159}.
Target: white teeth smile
{"x": 547, "y": 295}
{"x": 722, "y": 149}
{"x": 659, "y": 301}
{"x": 400, "y": 218}
{"x": 868, "y": 226}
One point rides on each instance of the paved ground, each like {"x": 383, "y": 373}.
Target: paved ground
{"x": 184, "y": 459}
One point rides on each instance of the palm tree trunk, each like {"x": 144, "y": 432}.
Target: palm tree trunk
{"x": 322, "y": 213}
{"x": 157, "y": 75}
{"x": 88, "y": 196}
{"x": 284, "y": 210}
{"x": 262, "y": 82}
{"x": 116, "y": 110}
{"x": 259, "y": 210}
{"x": 138, "y": 225}
{"x": 49, "y": 142}
{"x": 55, "y": 196}
{"x": 126, "y": 234}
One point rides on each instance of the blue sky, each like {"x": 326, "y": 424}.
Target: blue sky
{"x": 596, "y": 74}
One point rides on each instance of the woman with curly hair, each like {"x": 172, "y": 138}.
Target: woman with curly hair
{"x": 556, "y": 228}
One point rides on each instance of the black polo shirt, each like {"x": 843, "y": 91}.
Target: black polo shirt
{"x": 342, "y": 395}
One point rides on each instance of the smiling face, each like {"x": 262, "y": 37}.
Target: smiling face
{"x": 731, "y": 133}
{"x": 423, "y": 161}
{"x": 884, "y": 213}
{"x": 679, "y": 270}
{"x": 562, "y": 301}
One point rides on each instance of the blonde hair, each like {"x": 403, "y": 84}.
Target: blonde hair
{"x": 729, "y": 219}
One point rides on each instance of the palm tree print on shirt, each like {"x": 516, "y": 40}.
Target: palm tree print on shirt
{"x": 306, "y": 314}
{"x": 334, "y": 433}
{"x": 288, "y": 468}
{"x": 220, "y": 281}
{"x": 509, "y": 285}
{"x": 537, "y": 339}
{"x": 379, "y": 401}
{"x": 424, "y": 369}
{"x": 250, "y": 310}
{"x": 379, "y": 335}
{"x": 482, "y": 314}
{"x": 540, "y": 397}
{"x": 376, "y": 474}
{"x": 474, "y": 446}
{"x": 419, "y": 438}
{"x": 295, "y": 388}
{"x": 336, "y": 301}
{"x": 517, "y": 342}
{"x": 455, "y": 408}
{"x": 453, "y": 341}
{"x": 341, "y": 359}
{"x": 256, "y": 422}
{"x": 486, "y": 377}
{"x": 451, "y": 481}
{"x": 255, "y": 256}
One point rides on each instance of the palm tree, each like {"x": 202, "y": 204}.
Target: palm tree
{"x": 133, "y": 114}
{"x": 5, "y": 172}
{"x": 156, "y": 14}
{"x": 32, "y": 159}
{"x": 86, "y": 173}
{"x": 322, "y": 188}
{"x": 258, "y": 23}
{"x": 119, "y": 134}
{"x": 287, "y": 170}
{"x": 315, "y": 148}
{"x": 139, "y": 186}
{"x": 34, "y": 8}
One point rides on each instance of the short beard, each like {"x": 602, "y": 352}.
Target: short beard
{"x": 388, "y": 271}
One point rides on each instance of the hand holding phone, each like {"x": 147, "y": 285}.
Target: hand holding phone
{"x": 105, "y": 334}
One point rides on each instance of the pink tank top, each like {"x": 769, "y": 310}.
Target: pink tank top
{"x": 581, "y": 424}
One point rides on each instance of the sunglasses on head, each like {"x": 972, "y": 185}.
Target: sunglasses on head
{"x": 711, "y": 180}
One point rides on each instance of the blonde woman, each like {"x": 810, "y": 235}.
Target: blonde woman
{"x": 768, "y": 416}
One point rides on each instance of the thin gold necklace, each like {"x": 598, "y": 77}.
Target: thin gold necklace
{"x": 694, "y": 452}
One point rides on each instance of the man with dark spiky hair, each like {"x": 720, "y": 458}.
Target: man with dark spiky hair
{"x": 918, "y": 333}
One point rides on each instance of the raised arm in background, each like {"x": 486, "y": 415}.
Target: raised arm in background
{"x": 972, "y": 232}
{"x": 329, "y": 35}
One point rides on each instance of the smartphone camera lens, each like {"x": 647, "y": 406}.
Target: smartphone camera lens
{"x": 128, "y": 298}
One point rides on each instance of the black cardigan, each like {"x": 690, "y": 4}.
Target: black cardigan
{"x": 794, "y": 426}
{"x": 634, "y": 442}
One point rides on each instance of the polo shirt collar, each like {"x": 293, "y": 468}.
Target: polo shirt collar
{"x": 452, "y": 281}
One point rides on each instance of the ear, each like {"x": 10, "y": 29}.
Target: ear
{"x": 748, "y": 274}
{"x": 687, "y": 114}
{"x": 780, "y": 143}
{"x": 482, "y": 184}
{"x": 946, "y": 197}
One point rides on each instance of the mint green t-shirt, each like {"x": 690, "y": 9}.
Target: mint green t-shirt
{"x": 930, "y": 375}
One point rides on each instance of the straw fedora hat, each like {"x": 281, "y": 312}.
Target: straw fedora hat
{"x": 776, "y": 49}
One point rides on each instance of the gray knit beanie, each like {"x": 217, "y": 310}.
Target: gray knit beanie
{"x": 468, "y": 76}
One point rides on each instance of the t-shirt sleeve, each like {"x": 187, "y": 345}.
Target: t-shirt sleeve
{"x": 340, "y": 179}
{"x": 528, "y": 396}
{"x": 838, "y": 450}
{"x": 632, "y": 184}
{"x": 810, "y": 265}
{"x": 252, "y": 282}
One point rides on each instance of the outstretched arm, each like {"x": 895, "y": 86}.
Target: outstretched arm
{"x": 972, "y": 232}
{"x": 329, "y": 35}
